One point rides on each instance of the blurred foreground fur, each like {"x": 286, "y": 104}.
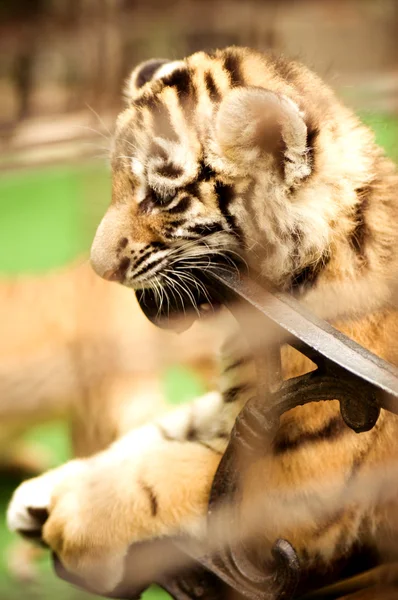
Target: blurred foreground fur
{"x": 71, "y": 344}
{"x": 221, "y": 154}
{"x": 73, "y": 347}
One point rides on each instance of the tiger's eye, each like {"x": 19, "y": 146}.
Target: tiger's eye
{"x": 167, "y": 198}
{"x": 161, "y": 199}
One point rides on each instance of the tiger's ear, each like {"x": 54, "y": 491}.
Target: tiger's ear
{"x": 254, "y": 122}
{"x": 143, "y": 73}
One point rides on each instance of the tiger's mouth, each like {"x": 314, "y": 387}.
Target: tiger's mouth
{"x": 182, "y": 300}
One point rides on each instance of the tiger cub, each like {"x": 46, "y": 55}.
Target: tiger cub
{"x": 219, "y": 156}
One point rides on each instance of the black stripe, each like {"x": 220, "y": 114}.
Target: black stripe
{"x": 211, "y": 87}
{"x": 158, "y": 246}
{"x": 152, "y": 497}
{"x": 142, "y": 258}
{"x": 186, "y": 90}
{"x": 233, "y": 67}
{"x": 225, "y": 195}
{"x": 206, "y": 229}
{"x": 169, "y": 170}
{"x": 176, "y": 222}
{"x": 205, "y": 172}
{"x": 193, "y": 189}
{"x": 140, "y": 261}
{"x": 148, "y": 267}
{"x": 333, "y": 430}
{"x": 181, "y": 207}
{"x": 360, "y": 234}
{"x": 181, "y": 80}
{"x": 307, "y": 277}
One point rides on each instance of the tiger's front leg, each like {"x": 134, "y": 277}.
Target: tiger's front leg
{"x": 153, "y": 482}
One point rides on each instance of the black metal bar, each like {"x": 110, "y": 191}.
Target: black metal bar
{"x": 302, "y": 326}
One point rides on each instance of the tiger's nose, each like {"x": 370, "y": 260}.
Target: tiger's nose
{"x": 119, "y": 273}
{"x": 108, "y": 251}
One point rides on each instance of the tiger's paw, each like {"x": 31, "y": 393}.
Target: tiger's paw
{"x": 29, "y": 507}
{"x": 90, "y": 512}
{"x": 83, "y": 512}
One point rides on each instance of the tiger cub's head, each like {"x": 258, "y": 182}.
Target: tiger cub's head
{"x": 197, "y": 142}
